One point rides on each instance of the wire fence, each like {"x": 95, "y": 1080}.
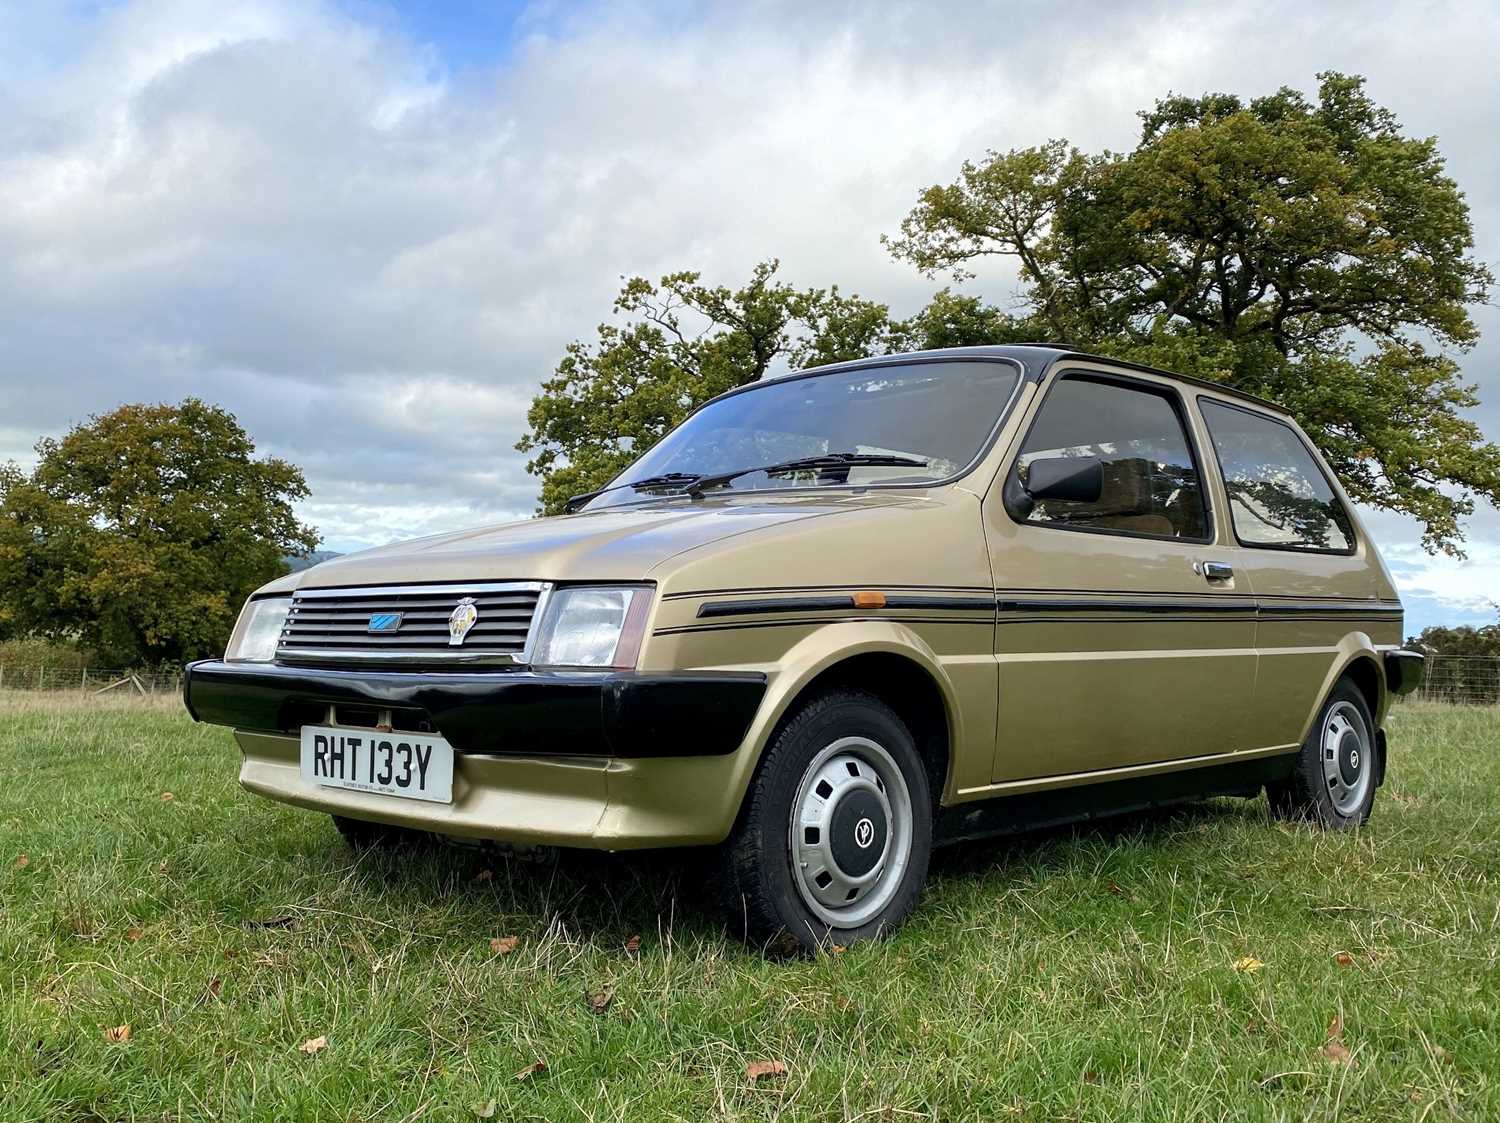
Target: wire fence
{"x": 89, "y": 681}
{"x": 1472, "y": 680}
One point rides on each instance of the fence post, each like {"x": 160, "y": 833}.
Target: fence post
{"x": 83, "y": 681}
{"x": 41, "y": 677}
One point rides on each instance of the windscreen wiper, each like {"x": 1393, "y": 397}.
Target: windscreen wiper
{"x": 576, "y": 501}
{"x": 806, "y": 464}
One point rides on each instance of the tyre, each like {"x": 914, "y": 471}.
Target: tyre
{"x": 1333, "y": 781}
{"x": 363, "y": 835}
{"x": 834, "y": 837}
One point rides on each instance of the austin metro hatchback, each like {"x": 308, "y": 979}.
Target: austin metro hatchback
{"x": 840, "y": 616}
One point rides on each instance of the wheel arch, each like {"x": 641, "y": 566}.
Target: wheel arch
{"x": 1358, "y": 661}
{"x": 909, "y": 689}
{"x": 888, "y": 660}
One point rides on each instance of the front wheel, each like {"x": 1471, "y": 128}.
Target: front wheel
{"x": 1333, "y": 781}
{"x": 834, "y": 839}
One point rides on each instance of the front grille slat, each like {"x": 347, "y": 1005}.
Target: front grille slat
{"x": 332, "y": 625}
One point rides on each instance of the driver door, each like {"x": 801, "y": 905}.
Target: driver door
{"x": 1118, "y": 643}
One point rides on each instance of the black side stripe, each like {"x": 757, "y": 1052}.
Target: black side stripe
{"x": 785, "y": 604}
{"x": 1155, "y": 607}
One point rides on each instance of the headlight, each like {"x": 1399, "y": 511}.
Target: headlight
{"x": 593, "y": 626}
{"x": 254, "y": 638}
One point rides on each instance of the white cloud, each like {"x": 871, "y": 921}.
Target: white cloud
{"x": 1468, "y": 587}
{"x": 373, "y": 261}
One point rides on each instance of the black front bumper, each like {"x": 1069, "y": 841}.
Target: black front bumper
{"x": 609, "y": 713}
{"x": 1403, "y": 670}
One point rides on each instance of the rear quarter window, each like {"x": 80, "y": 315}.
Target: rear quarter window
{"x": 1279, "y": 497}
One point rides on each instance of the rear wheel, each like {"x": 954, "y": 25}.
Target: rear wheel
{"x": 834, "y": 839}
{"x": 1333, "y": 781}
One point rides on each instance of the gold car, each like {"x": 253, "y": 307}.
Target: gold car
{"x": 838, "y": 617}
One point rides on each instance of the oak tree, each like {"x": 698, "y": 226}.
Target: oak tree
{"x": 141, "y": 533}
{"x": 1308, "y": 251}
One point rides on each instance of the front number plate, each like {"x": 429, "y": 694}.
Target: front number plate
{"x": 409, "y": 765}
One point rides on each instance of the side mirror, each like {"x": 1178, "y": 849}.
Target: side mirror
{"x": 1076, "y": 479}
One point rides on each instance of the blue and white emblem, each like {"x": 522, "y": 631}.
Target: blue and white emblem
{"x": 384, "y": 622}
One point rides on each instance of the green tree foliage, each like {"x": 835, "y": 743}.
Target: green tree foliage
{"x": 141, "y": 533}
{"x": 1309, "y": 252}
{"x": 683, "y": 342}
{"x": 1482, "y": 642}
{"x": 1462, "y": 662}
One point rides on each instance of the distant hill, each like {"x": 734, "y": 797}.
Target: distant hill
{"x": 310, "y": 560}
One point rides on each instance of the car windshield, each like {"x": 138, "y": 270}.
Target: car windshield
{"x": 939, "y": 412}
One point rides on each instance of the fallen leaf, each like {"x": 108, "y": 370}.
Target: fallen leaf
{"x": 504, "y": 945}
{"x": 1249, "y": 964}
{"x": 272, "y": 922}
{"x": 1334, "y": 1048}
{"x": 167, "y": 797}
{"x": 599, "y": 1002}
{"x": 118, "y": 1034}
{"x": 211, "y": 991}
{"x": 1114, "y": 887}
{"x": 134, "y": 934}
{"x": 22, "y": 862}
{"x": 485, "y": 1110}
{"x": 532, "y": 1069}
{"x": 485, "y": 875}
{"x": 633, "y": 945}
{"x": 313, "y": 1045}
{"x": 838, "y": 949}
{"x": 1344, "y": 959}
{"x": 756, "y": 1070}
{"x": 1337, "y": 1052}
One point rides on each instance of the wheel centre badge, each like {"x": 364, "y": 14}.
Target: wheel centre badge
{"x": 864, "y": 833}
{"x": 463, "y": 618}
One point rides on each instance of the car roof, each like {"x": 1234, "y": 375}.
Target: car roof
{"x": 1035, "y": 360}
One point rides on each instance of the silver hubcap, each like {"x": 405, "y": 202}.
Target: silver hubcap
{"x": 850, "y": 832}
{"x": 1347, "y": 770}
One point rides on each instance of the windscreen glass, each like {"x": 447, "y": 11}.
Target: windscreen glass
{"x": 940, "y": 413}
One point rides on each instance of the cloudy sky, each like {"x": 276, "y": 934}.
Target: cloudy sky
{"x": 369, "y": 228}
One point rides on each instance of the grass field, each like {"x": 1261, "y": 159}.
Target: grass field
{"x": 1183, "y": 965}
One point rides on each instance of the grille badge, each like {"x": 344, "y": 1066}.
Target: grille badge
{"x": 384, "y": 622}
{"x": 464, "y": 617}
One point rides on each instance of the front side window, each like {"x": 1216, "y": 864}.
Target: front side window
{"x": 1278, "y": 497}
{"x": 934, "y": 419}
{"x": 1151, "y": 485}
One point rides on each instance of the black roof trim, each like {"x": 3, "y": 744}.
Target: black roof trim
{"x": 1036, "y": 359}
{"x": 1190, "y": 379}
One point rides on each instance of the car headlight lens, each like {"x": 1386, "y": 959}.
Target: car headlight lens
{"x": 259, "y": 628}
{"x": 593, "y": 626}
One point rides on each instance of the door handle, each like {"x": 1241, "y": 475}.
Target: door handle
{"x": 1217, "y": 571}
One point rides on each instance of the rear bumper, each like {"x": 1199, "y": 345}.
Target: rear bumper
{"x": 1403, "y": 670}
{"x": 613, "y": 714}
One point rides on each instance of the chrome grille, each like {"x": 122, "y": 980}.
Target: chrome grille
{"x": 333, "y": 625}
